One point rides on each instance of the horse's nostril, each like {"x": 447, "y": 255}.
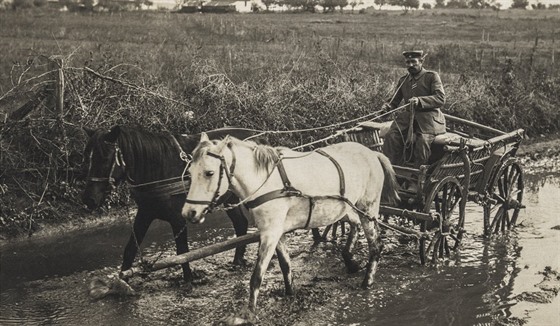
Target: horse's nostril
{"x": 192, "y": 214}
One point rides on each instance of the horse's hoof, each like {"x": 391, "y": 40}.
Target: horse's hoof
{"x": 365, "y": 285}
{"x": 188, "y": 287}
{"x": 240, "y": 262}
{"x": 197, "y": 275}
{"x": 245, "y": 317}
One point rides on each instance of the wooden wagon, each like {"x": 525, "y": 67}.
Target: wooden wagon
{"x": 471, "y": 162}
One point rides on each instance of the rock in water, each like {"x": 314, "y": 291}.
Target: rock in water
{"x": 99, "y": 288}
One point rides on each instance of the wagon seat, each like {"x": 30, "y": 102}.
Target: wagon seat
{"x": 448, "y": 138}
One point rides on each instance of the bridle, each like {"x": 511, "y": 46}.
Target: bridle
{"x": 118, "y": 161}
{"x": 228, "y": 171}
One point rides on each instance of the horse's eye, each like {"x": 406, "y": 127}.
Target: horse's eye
{"x": 209, "y": 173}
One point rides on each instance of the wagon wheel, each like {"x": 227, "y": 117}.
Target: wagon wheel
{"x": 506, "y": 194}
{"x": 448, "y": 200}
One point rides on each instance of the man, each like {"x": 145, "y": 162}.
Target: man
{"x": 415, "y": 129}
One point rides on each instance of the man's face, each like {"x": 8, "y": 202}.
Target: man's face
{"x": 413, "y": 65}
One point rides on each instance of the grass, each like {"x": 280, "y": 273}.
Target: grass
{"x": 188, "y": 73}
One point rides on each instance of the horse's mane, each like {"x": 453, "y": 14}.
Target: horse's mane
{"x": 151, "y": 156}
{"x": 265, "y": 156}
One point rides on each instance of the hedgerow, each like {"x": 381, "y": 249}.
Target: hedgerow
{"x": 250, "y": 78}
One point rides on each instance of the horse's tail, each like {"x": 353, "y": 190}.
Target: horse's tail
{"x": 389, "y": 193}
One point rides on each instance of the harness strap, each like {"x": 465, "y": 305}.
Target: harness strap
{"x": 338, "y": 168}
{"x": 283, "y": 175}
{"x": 312, "y": 201}
{"x": 274, "y": 194}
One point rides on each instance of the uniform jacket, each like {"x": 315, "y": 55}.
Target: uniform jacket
{"x": 427, "y": 87}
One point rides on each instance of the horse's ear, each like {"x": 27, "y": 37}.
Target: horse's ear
{"x": 204, "y": 137}
{"x": 89, "y": 132}
{"x": 113, "y": 134}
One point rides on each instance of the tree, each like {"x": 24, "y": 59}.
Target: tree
{"x": 440, "y": 4}
{"x": 406, "y": 4}
{"x": 341, "y": 4}
{"x": 477, "y": 4}
{"x": 22, "y": 4}
{"x": 354, "y": 3}
{"x": 426, "y": 6}
{"x": 462, "y": 4}
{"x": 519, "y": 4}
{"x": 268, "y": 3}
{"x": 380, "y": 3}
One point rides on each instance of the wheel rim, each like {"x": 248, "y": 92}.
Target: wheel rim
{"x": 448, "y": 201}
{"x": 507, "y": 191}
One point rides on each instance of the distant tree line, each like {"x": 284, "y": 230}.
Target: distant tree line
{"x": 84, "y": 5}
{"x": 303, "y": 5}
{"x": 311, "y": 5}
{"x": 462, "y": 4}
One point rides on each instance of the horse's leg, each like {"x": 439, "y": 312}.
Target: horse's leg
{"x": 240, "y": 225}
{"x": 375, "y": 246}
{"x": 347, "y": 255}
{"x": 269, "y": 242}
{"x": 142, "y": 222}
{"x": 179, "y": 227}
{"x": 334, "y": 229}
{"x": 316, "y": 235}
{"x": 284, "y": 260}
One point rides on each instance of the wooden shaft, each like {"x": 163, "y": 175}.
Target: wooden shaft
{"x": 387, "y": 210}
{"x": 472, "y": 124}
{"x": 505, "y": 136}
{"x": 194, "y": 254}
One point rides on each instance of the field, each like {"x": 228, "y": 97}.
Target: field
{"x": 188, "y": 73}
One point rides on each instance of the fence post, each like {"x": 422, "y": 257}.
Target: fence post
{"x": 56, "y": 100}
{"x": 56, "y": 90}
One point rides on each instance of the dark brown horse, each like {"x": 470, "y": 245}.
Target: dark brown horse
{"x": 153, "y": 165}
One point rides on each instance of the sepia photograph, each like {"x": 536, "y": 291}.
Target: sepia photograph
{"x": 280, "y": 162}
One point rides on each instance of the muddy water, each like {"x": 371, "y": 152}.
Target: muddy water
{"x": 45, "y": 281}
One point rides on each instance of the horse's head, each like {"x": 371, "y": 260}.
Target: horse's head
{"x": 210, "y": 175}
{"x": 105, "y": 165}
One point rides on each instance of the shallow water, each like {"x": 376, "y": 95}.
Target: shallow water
{"x": 44, "y": 281}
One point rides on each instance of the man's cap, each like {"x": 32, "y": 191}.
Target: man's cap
{"x": 413, "y": 54}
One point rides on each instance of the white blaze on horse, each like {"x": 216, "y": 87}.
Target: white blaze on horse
{"x": 287, "y": 190}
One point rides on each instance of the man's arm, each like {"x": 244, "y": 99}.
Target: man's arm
{"x": 397, "y": 95}
{"x": 437, "y": 99}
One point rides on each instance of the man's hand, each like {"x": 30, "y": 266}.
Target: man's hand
{"x": 386, "y": 107}
{"x": 414, "y": 101}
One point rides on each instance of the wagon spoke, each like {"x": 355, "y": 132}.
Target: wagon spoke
{"x": 508, "y": 220}
{"x": 501, "y": 186}
{"x": 431, "y": 245}
{"x": 441, "y": 245}
{"x": 499, "y": 198}
{"x": 446, "y": 247}
{"x": 507, "y": 172}
{"x": 435, "y": 250}
{"x": 496, "y": 218}
{"x": 452, "y": 236}
{"x": 504, "y": 219}
{"x": 444, "y": 203}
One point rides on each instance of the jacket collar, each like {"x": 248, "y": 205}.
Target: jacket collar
{"x": 418, "y": 75}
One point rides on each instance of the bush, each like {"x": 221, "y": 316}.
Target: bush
{"x": 22, "y": 4}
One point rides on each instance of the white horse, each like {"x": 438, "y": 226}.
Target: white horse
{"x": 287, "y": 190}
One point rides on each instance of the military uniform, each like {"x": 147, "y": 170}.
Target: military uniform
{"x": 428, "y": 120}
